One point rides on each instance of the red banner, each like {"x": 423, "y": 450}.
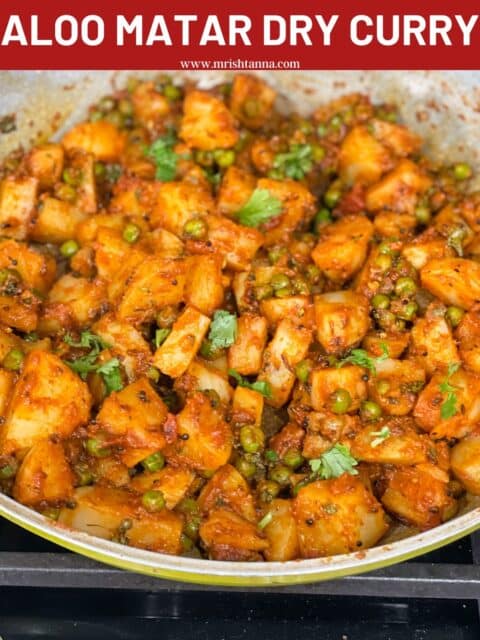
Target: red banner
{"x": 244, "y": 35}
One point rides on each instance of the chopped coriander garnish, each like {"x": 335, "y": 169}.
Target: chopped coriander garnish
{"x": 88, "y": 340}
{"x": 160, "y": 336}
{"x": 449, "y": 405}
{"x": 381, "y": 436}
{"x": 110, "y": 372}
{"x": 361, "y": 358}
{"x": 223, "y": 330}
{"x": 261, "y": 386}
{"x": 334, "y": 463}
{"x": 261, "y": 206}
{"x": 165, "y": 158}
{"x": 296, "y": 162}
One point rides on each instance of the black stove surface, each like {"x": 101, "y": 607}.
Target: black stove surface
{"x": 49, "y": 593}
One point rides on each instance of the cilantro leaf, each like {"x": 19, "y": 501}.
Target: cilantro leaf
{"x": 165, "y": 158}
{"x": 84, "y": 365}
{"x": 334, "y": 463}
{"x": 261, "y": 386}
{"x": 381, "y": 436}
{"x": 110, "y": 372}
{"x": 448, "y": 408}
{"x": 160, "y": 336}
{"x": 361, "y": 358}
{"x": 261, "y": 206}
{"x": 88, "y": 340}
{"x": 296, "y": 162}
{"x": 223, "y": 330}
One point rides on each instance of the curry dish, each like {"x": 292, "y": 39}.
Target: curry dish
{"x": 233, "y": 333}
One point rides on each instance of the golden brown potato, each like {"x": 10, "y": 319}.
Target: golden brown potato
{"x": 432, "y": 340}
{"x": 83, "y": 298}
{"x": 362, "y": 158}
{"x": 173, "y": 482}
{"x": 207, "y": 123}
{"x": 149, "y": 105}
{"x": 201, "y": 376}
{"x": 101, "y": 138}
{"x": 48, "y": 399}
{"x": 56, "y": 221}
{"x": 17, "y": 206}
{"x": 45, "y": 163}
{"x": 236, "y": 243}
{"x": 251, "y": 101}
{"x": 38, "y": 270}
{"x": 281, "y": 532}
{"x": 454, "y": 281}
{"x": 228, "y": 536}
{"x": 247, "y": 406}
{"x": 342, "y": 320}
{"x": 396, "y": 137}
{"x": 401, "y": 446}
{"x": 298, "y": 309}
{"x": 468, "y": 337}
{"x": 7, "y": 381}
{"x": 465, "y": 461}
{"x": 203, "y": 286}
{"x": 245, "y": 354}
{"x": 399, "y": 189}
{"x": 342, "y": 248}
{"x": 337, "y": 516}
{"x": 179, "y": 202}
{"x": 325, "y": 382}
{"x": 235, "y": 189}
{"x": 396, "y": 385}
{"x": 44, "y": 475}
{"x": 230, "y": 489}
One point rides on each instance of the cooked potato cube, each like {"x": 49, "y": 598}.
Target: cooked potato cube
{"x": 401, "y": 446}
{"x": 48, "y": 399}
{"x": 468, "y": 337}
{"x": 111, "y": 252}
{"x": 288, "y": 347}
{"x": 325, "y": 382}
{"x": 200, "y": 376}
{"x": 428, "y": 410}
{"x": 396, "y": 385}
{"x": 120, "y": 280}
{"x": 179, "y": 202}
{"x": 19, "y": 312}
{"x": 44, "y": 475}
{"x": 238, "y": 244}
{"x": 288, "y": 438}
{"x": 56, "y": 221}
{"x": 7, "y": 381}
{"x": 343, "y": 246}
{"x": 337, "y": 516}
{"x": 17, "y": 206}
{"x": 362, "y": 158}
{"x": 155, "y": 283}
{"x": 38, "y": 270}
{"x": 299, "y": 309}
{"x": 83, "y": 165}
{"x": 165, "y": 244}
{"x": 251, "y": 100}
{"x": 101, "y": 138}
{"x": 455, "y": 281}
{"x": 173, "y": 482}
{"x": 83, "y": 298}
{"x": 235, "y": 189}
{"x": 228, "y": 536}
{"x": 177, "y": 352}
{"x": 45, "y": 163}
{"x": 149, "y": 105}
{"x": 342, "y": 320}
{"x": 87, "y": 230}
{"x": 209, "y": 440}
{"x": 245, "y": 354}
{"x": 432, "y": 340}
{"x": 207, "y": 123}
{"x": 399, "y": 189}
{"x": 281, "y": 532}
{"x": 390, "y": 224}
{"x": 396, "y": 137}
{"x": 203, "y": 287}
{"x": 230, "y": 489}
{"x": 426, "y": 247}
{"x": 395, "y": 342}
{"x": 247, "y": 406}
{"x": 419, "y": 495}
{"x": 465, "y": 461}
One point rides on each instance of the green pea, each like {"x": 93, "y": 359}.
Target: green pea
{"x": 408, "y": 311}
{"x": 284, "y": 292}
{"x": 95, "y": 115}
{"x": 454, "y": 315}
{"x": 318, "y": 153}
{"x": 313, "y": 273}
{"x": 9, "y": 276}
{"x": 405, "y": 287}
{"x": 280, "y": 474}
{"x": 187, "y": 506}
{"x": 131, "y": 233}
{"x": 187, "y": 543}
{"x": 300, "y": 485}
{"x": 383, "y": 387}
{"x": 380, "y": 301}
{"x": 323, "y": 217}
{"x": 293, "y": 458}
{"x": 191, "y": 528}
{"x": 204, "y": 158}
{"x": 69, "y": 248}
{"x": 251, "y": 108}
{"x": 268, "y": 490}
{"x": 246, "y": 467}
{"x": 251, "y": 439}
{"x": 84, "y": 475}
{"x": 384, "y": 249}
{"x": 341, "y": 401}
{"x": 400, "y": 324}
{"x": 153, "y": 374}
{"x": 70, "y": 177}
{"x": 13, "y": 360}
{"x": 99, "y": 169}
{"x": 96, "y": 448}
{"x": 370, "y": 410}
{"x": 302, "y": 370}
{"x": 66, "y": 192}
{"x": 275, "y": 174}
{"x": 462, "y": 171}
{"x": 271, "y": 455}
{"x": 275, "y": 254}
{"x": 321, "y": 130}
{"x": 280, "y": 281}
{"x": 332, "y": 196}
{"x": 53, "y": 513}
{"x": 8, "y": 471}
{"x": 171, "y": 92}
{"x": 383, "y": 262}
{"x": 115, "y": 118}
{"x": 153, "y": 500}
{"x": 423, "y": 214}
{"x": 154, "y": 462}
{"x": 336, "y": 122}
{"x": 195, "y": 228}
{"x": 125, "y": 107}
{"x": 224, "y": 157}
{"x": 107, "y": 103}
{"x": 301, "y": 286}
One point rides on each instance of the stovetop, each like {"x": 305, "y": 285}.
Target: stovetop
{"x": 49, "y": 593}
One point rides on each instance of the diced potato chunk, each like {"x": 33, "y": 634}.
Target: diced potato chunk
{"x": 38, "y": 270}
{"x": 288, "y": 347}
{"x": 173, "y": 482}
{"x": 44, "y": 475}
{"x": 395, "y": 342}
{"x": 299, "y": 309}
{"x": 149, "y": 105}
{"x": 399, "y": 189}
{"x": 247, "y": 407}
{"x": 401, "y": 446}
{"x": 84, "y": 298}
{"x": 228, "y": 536}
{"x": 281, "y": 532}
{"x": 235, "y": 189}
{"x": 238, "y": 244}
{"x": 396, "y": 137}
{"x": 84, "y": 165}
{"x": 342, "y": 320}
{"x": 432, "y": 340}
{"x": 45, "y": 163}
{"x": 230, "y": 489}
{"x": 455, "y": 281}
{"x": 203, "y": 287}
{"x": 405, "y": 378}
{"x": 207, "y": 123}
{"x": 48, "y": 399}
{"x": 7, "y": 381}
{"x": 324, "y": 383}
{"x": 362, "y": 158}
{"x": 209, "y": 440}
{"x": 343, "y": 246}
{"x": 251, "y": 101}
{"x": 245, "y": 355}
{"x": 468, "y": 337}
{"x": 56, "y": 221}
{"x": 203, "y": 377}
{"x": 428, "y": 409}
{"x": 19, "y": 312}
{"x": 155, "y": 283}
{"x": 101, "y": 138}
{"x": 17, "y": 206}
{"x": 179, "y": 202}
{"x": 391, "y": 224}
{"x": 465, "y": 461}
{"x": 337, "y": 516}
{"x": 288, "y": 438}
{"x": 177, "y": 352}
{"x": 419, "y": 495}
{"x": 134, "y": 416}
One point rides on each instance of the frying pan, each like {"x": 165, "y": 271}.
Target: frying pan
{"x": 443, "y": 107}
